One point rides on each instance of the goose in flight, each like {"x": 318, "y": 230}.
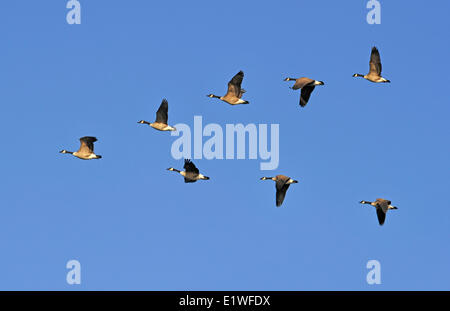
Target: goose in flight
{"x": 306, "y": 85}
{"x": 190, "y": 173}
{"x": 86, "y": 151}
{"x": 235, "y": 92}
{"x": 282, "y": 184}
{"x": 381, "y": 206}
{"x": 375, "y": 67}
{"x": 161, "y": 118}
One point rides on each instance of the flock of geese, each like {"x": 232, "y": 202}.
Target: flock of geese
{"x": 234, "y": 97}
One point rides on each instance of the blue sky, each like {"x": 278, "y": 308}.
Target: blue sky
{"x": 135, "y": 226}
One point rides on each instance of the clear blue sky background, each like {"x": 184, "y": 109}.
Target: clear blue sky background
{"x": 135, "y": 226}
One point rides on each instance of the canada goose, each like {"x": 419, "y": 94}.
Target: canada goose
{"x": 382, "y": 206}
{"x": 161, "y": 118}
{"x": 306, "y": 85}
{"x": 86, "y": 151}
{"x": 235, "y": 92}
{"x": 190, "y": 173}
{"x": 282, "y": 184}
{"x": 374, "y": 74}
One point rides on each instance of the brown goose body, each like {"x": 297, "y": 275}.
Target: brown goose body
{"x": 381, "y": 206}
{"x": 375, "y": 68}
{"x": 86, "y": 151}
{"x": 306, "y": 85}
{"x": 282, "y": 184}
{"x": 191, "y": 173}
{"x": 234, "y": 92}
{"x": 162, "y": 117}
